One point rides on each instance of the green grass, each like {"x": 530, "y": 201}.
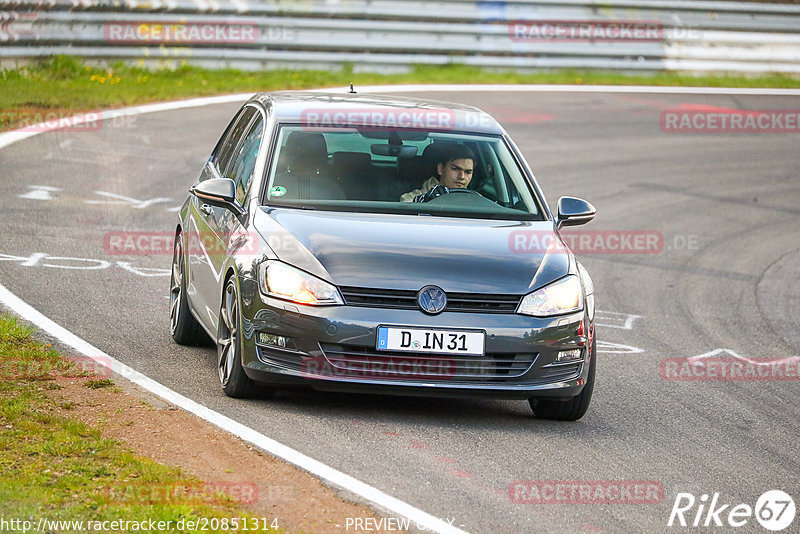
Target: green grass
{"x": 65, "y": 84}
{"x": 58, "y": 468}
{"x": 97, "y": 384}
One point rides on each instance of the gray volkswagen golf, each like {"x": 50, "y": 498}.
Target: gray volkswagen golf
{"x": 384, "y": 245}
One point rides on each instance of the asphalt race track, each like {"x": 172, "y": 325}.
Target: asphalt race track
{"x": 725, "y": 278}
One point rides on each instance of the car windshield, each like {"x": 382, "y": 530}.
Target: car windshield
{"x": 383, "y": 171}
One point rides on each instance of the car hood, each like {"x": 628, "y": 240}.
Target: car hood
{"x": 405, "y": 252}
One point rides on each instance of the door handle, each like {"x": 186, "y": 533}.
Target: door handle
{"x": 207, "y": 209}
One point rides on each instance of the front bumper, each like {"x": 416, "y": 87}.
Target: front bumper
{"x": 334, "y": 350}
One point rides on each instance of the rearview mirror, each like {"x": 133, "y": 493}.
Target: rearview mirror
{"x": 574, "y": 212}
{"x": 219, "y": 192}
{"x": 399, "y": 151}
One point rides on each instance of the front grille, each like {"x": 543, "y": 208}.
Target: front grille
{"x": 354, "y": 361}
{"x": 407, "y": 300}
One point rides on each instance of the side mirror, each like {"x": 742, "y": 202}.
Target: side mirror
{"x": 220, "y": 192}
{"x": 574, "y": 212}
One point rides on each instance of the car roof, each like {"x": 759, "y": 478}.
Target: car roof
{"x": 318, "y": 108}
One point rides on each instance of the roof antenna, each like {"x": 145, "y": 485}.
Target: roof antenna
{"x": 352, "y": 91}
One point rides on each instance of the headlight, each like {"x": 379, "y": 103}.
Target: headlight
{"x": 562, "y": 296}
{"x": 283, "y": 281}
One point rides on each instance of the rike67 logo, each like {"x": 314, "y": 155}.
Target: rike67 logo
{"x": 774, "y": 510}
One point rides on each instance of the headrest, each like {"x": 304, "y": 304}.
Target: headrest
{"x": 351, "y": 161}
{"x": 305, "y": 152}
{"x": 436, "y": 152}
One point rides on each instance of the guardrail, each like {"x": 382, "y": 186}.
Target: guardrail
{"x": 382, "y": 35}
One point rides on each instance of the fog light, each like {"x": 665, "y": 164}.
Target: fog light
{"x": 569, "y": 355}
{"x": 276, "y": 341}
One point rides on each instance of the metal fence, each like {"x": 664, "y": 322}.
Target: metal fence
{"x": 387, "y": 36}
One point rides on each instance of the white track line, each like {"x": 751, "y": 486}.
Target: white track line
{"x": 422, "y": 519}
{"x": 374, "y": 495}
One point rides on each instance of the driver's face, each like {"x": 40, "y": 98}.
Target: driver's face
{"x": 455, "y": 173}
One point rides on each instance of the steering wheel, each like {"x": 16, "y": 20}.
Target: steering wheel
{"x": 464, "y": 190}
{"x": 440, "y": 190}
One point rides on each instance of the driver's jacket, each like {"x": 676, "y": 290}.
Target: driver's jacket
{"x": 427, "y": 185}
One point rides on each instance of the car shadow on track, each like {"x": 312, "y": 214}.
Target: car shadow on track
{"x": 476, "y": 414}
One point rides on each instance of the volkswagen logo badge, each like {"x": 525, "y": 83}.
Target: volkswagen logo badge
{"x": 432, "y": 299}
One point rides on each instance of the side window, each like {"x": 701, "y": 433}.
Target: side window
{"x": 225, "y": 150}
{"x": 243, "y": 163}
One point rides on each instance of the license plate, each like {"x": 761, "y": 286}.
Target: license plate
{"x": 430, "y": 340}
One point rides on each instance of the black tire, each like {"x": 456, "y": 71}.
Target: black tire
{"x": 570, "y": 409}
{"x": 235, "y": 383}
{"x": 184, "y": 327}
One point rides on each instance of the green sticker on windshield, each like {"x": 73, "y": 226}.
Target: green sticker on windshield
{"x": 278, "y": 191}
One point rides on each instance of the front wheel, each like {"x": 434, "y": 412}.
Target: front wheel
{"x": 184, "y": 327}
{"x": 570, "y": 409}
{"x": 232, "y": 378}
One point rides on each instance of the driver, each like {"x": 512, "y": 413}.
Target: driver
{"x": 453, "y": 170}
